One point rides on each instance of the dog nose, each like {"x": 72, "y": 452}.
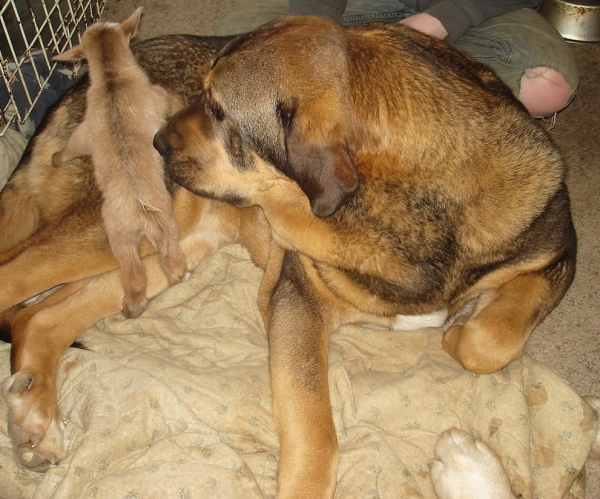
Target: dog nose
{"x": 161, "y": 143}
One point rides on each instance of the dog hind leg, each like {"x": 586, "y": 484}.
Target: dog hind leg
{"x": 41, "y": 335}
{"x": 174, "y": 263}
{"x": 38, "y": 343}
{"x": 39, "y": 237}
{"x": 496, "y": 332}
{"x": 55, "y": 254}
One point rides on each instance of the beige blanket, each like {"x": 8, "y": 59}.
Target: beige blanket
{"x": 176, "y": 404}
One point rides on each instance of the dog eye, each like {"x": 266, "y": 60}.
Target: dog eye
{"x": 217, "y": 112}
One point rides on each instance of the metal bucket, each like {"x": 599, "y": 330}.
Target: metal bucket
{"x": 578, "y": 21}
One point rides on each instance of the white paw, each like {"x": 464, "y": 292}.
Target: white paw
{"x": 466, "y": 468}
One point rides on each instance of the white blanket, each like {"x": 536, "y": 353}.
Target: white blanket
{"x": 176, "y": 404}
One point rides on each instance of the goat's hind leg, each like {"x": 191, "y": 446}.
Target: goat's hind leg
{"x": 174, "y": 263}
{"x": 133, "y": 276}
{"x": 164, "y": 237}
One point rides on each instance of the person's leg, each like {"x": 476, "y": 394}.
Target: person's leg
{"x": 529, "y": 55}
{"x": 524, "y": 50}
{"x": 258, "y": 12}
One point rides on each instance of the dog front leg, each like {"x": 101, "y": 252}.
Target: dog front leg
{"x": 298, "y": 343}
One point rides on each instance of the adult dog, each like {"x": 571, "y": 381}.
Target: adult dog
{"x": 383, "y": 223}
{"x": 403, "y": 186}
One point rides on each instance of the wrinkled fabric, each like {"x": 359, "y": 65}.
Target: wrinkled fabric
{"x": 176, "y": 404}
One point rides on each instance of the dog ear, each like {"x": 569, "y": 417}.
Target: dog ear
{"x": 317, "y": 156}
{"x": 129, "y": 27}
{"x": 71, "y": 54}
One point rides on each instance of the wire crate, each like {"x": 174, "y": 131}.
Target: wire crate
{"x": 31, "y": 32}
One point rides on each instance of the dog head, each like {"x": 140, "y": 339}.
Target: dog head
{"x": 275, "y": 104}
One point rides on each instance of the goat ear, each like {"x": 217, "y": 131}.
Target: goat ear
{"x": 71, "y": 54}
{"x": 129, "y": 26}
{"x": 317, "y": 157}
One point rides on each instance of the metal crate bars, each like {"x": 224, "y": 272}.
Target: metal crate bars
{"x": 31, "y": 32}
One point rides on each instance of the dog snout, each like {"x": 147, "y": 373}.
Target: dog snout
{"x": 161, "y": 142}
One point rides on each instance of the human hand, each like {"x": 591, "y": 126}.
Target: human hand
{"x": 426, "y": 23}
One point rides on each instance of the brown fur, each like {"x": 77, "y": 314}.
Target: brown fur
{"x": 377, "y": 173}
{"x": 124, "y": 110}
{"x": 399, "y": 178}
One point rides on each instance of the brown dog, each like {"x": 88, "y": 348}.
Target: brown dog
{"x": 124, "y": 111}
{"x": 393, "y": 240}
{"x": 403, "y": 184}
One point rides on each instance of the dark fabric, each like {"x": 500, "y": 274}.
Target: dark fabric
{"x": 26, "y": 87}
{"x": 457, "y": 16}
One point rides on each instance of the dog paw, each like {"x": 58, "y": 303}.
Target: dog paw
{"x": 466, "y": 468}
{"x": 37, "y": 458}
{"x": 38, "y": 435}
